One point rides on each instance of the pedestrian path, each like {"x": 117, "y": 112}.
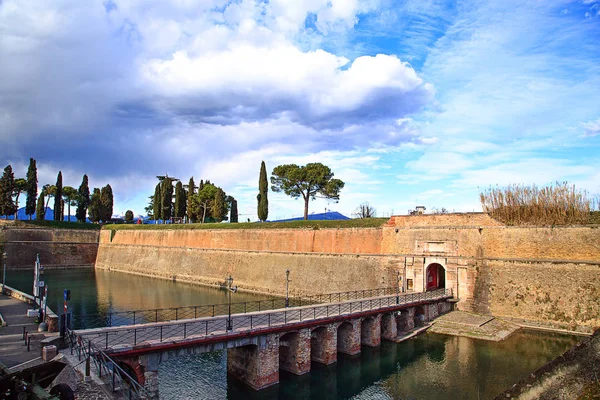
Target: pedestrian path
{"x": 13, "y": 349}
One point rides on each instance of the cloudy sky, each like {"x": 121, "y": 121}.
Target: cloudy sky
{"x": 416, "y": 102}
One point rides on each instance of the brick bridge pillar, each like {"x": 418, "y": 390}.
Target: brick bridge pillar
{"x": 256, "y": 365}
{"x": 294, "y": 351}
{"x": 348, "y": 337}
{"x": 389, "y": 326}
{"x": 370, "y": 331}
{"x": 144, "y": 369}
{"x": 406, "y": 320}
{"x": 323, "y": 344}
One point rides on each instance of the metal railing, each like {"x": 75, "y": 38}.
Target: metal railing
{"x": 135, "y": 317}
{"x": 196, "y": 329}
{"x": 107, "y": 369}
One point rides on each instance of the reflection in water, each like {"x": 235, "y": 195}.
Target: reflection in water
{"x": 100, "y": 291}
{"x": 427, "y": 367}
{"x": 430, "y": 366}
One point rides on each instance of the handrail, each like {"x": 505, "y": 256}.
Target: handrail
{"x": 118, "y": 379}
{"x": 135, "y": 317}
{"x": 200, "y": 328}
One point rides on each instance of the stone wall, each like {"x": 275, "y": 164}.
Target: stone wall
{"x": 56, "y": 247}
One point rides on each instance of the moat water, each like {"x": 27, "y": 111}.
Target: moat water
{"x": 429, "y": 366}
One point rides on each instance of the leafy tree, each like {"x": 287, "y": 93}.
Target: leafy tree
{"x": 128, "y": 216}
{"x": 83, "y": 199}
{"x": 40, "y": 211}
{"x": 191, "y": 191}
{"x": 70, "y": 196}
{"x": 365, "y": 210}
{"x": 157, "y": 203}
{"x": 310, "y": 181}
{"x": 95, "y": 206}
{"x": 149, "y": 209}
{"x": 106, "y": 203}
{"x": 58, "y": 198}
{"x": 262, "y": 197}
{"x": 49, "y": 191}
{"x": 180, "y": 200}
{"x": 20, "y": 186}
{"x": 7, "y": 187}
{"x": 233, "y": 215}
{"x": 32, "y": 182}
{"x": 203, "y": 201}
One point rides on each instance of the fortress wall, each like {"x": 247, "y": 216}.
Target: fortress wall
{"x": 252, "y": 270}
{"x": 352, "y": 241}
{"x": 56, "y": 247}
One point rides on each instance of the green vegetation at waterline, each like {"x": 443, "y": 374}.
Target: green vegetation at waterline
{"x": 329, "y": 224}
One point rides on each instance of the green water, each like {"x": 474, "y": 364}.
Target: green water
{"x": 427, "y": 367}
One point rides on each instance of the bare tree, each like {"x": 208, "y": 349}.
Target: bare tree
{"x": 365, "y": 210}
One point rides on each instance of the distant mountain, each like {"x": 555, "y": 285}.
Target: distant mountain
{"x": 49, "y": 215}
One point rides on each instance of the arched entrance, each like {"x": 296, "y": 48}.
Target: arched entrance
{"x": 435, "y": 277}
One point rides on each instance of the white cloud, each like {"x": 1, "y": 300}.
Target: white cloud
{"x": 591, "y": 128}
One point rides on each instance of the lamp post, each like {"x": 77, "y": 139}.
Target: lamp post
{"x": 229, "y": 291}
{"x": 287, "y": 287}
{"x": 4, "y": 256}
{"x": 397, "y": 287}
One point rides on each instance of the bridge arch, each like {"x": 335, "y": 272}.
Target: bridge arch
{"x": 134, "y": 369}
{"x": 370, "y": 331}
{"x": 294, "y": 351}
{"x": 435, "y": 277}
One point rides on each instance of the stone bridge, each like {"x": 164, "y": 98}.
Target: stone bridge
{"x": 259, "y": 344}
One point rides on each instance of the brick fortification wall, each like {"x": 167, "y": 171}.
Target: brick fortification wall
{"x": 58, "y": 248}
{"x": 540, "y": 274}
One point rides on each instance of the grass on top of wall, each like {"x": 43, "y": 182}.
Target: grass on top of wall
{"x": 352, "y": 223}
{"x": 54, "y": 224}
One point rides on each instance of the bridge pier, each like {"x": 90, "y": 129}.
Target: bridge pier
{"x": 406, "y": 320}
{"x": 348, "y": 337}
{"x": 294, "y": 351}
{"x": 323, "y": 344}
{"x": 370, "y": 331}
{"x": 389, "y": 326}
{"x": 256, "y": 365}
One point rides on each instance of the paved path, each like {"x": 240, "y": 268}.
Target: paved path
{"x": 461, "y": 323}
{"x": 12, "y": 348}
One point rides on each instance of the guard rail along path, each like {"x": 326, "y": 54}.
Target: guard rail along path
{"x": 260, "y": 343}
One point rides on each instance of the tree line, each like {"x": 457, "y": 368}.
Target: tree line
{"x": 99, "y": 205}
{"x": 206, "y": 202}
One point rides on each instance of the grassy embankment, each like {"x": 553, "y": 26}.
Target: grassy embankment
{"x": 52, "y": 224}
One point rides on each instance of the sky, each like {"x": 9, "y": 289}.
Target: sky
{"x": 416, "y": 102}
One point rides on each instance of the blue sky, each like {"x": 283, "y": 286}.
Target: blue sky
{"x": 409, "y": 102}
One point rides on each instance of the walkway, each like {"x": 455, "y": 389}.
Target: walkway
{"x": 12, "y": 346}
{"x": 461, "y": 323}
{"x": 153, "y": 336}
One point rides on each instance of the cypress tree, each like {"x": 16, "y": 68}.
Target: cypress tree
{"x": 83, "y": 200}
{"x": 32, "y": 182}
{"x": 157, "y": 203}
{"x": 219, "y": 211}
{"x": 106, "y": 203}
{"x": 233, "y": 215}
{"x": 190, "y": 195}
{"x": 167, "y": 198}
{"x": 263, "y": 190}
{"x": 95, "y": 206}
{"x": 58, "y": 198}
{"x": 40, "y": 210}
{"x": 7, "y": 187}
{"x": 180, "y": 200}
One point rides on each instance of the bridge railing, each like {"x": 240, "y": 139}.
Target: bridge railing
{"x": 195, "y": 329}
{"x": 135, "y": 317}
{"x": 107, "y": 369}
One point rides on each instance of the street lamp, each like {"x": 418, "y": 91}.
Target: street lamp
{"x": 229, "y": 291}
{"x": 4, "y": 257}
{"x": 397, "y": 287}
{"x": 287, "y": 287}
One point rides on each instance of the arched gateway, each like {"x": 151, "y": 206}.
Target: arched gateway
{"x": 435, "y": 277}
